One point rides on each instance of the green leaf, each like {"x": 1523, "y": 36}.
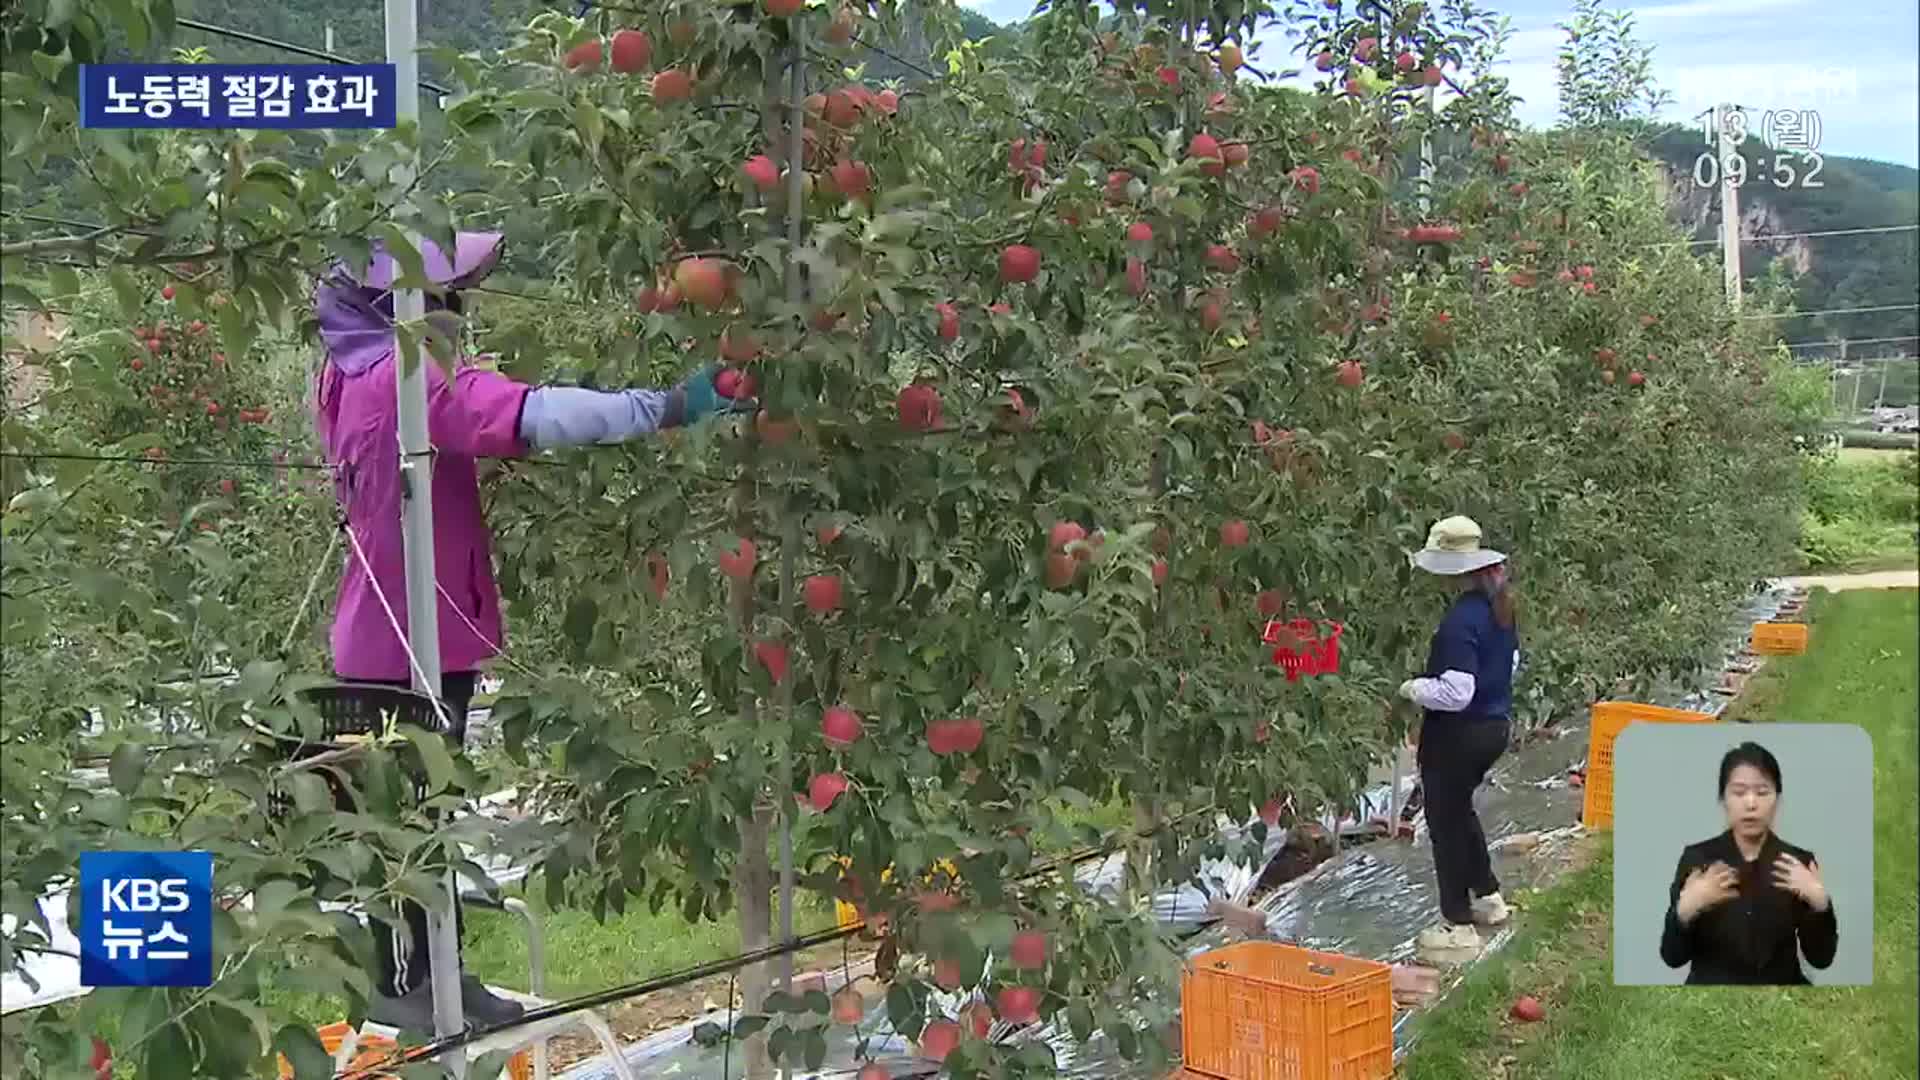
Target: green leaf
{"x": 1080, "y": 1021}
{"x": 236, "y": 332}
{"x": 126, "y": 292}
{"x": 413, "y": 272}
{"x": 750, "y": 1025}
{"x": 433, "y": 754}
{"x": 582, "y": 616}
{"x": 127, "y": 766}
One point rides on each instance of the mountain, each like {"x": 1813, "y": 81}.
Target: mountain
{"x": 1829, "y": 272}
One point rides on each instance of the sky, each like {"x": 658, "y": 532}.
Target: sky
{"x": 1853, "y": 63}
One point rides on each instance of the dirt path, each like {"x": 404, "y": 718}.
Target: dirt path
{"x": 1885, "y": 579}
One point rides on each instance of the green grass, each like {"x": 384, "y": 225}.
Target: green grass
{"x": 1861, "y": 511}
{"x": 583, "y": 955}
{"x": 1861, "y": 670}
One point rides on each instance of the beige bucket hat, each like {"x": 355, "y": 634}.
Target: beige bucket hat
{"x": 1453, "y": 548}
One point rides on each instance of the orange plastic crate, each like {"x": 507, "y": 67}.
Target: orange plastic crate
{"x": 372, "y": 1048}
{"x": 1779, "y": 639}
{"x": 1609, "y": 719}
{"x": 1261, "y": 1010}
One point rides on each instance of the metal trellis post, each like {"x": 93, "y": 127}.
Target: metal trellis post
{"x": 416, "y": 522}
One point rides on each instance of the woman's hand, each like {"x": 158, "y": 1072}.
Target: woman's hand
{"x": 1706, "y": 888}
{"x": 703, "y": 398}
{"x": 1802, "y": 880}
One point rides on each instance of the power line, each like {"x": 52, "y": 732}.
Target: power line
{"x": 288, "y": 47}
{"x": 141, "y": 459}
{"x": 1831, "y": 311}
{"x": 1792, "y": 236}
{"x": 1851, "y": 341}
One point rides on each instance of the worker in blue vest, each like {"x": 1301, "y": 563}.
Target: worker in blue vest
{"x": 1466, "y": 694}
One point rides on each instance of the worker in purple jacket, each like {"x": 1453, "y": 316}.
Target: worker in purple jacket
{"x": 473, "y": 413}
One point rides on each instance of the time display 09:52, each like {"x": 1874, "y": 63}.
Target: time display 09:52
{"x": 1784, "y": 168}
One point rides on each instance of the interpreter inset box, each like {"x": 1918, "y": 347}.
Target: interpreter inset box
{"x": 1743, "y": 855}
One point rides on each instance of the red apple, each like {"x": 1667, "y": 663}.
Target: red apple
{"x": 840, "y": 726}
{"x": 849, "y": 1007}
{"x": 961, "y": 736}
{"x": 978, "y": 1018}
{"x": 1231, "y": 58}
{"x": 738, "y": 564}
{"x": 1236, "y": 153}
{"x": 840, "y": 30}
{"x": 1431, "y": 76}
{"x": 919, "y": 407}
{"x": 1269, "y": 602}
{"x": 1019, "y": 264}
{"x": 1204, "y": 147}
{"x": 1405, "y": 62}
{"x": 1235, "y": 534}
{"x": 1140, "y": 233}
{"x": 632, "y": 51}
{"x": 672, "y": 85}
{"x": 781, "y": 9}
{"x": 762, "y": 172}
{"x": 1029, "y": 950}
{"x": 1307, "y": 179}
{"x": 1118, "y": 182}
{"x": 703, "y": 281}
{"x": 1222, "y": 258}
{"x": 824, "y": 788}
{"x": 166, "y": 292}
{"x": 1018, "y": 1004}
{"x": 939, "y": 1039}
{"x": 1324, "y": 61}
{"x": 1160, "y": 572}
{"x": 657, "y": 574}
{"x": 850, "y": 178}
{"x": 873, "y": 1070}
{"x": 1350, "y": 373}
{"x": 949, "y": 321}
{"x": 584, "y": 58}
{"x": 886, "y": 102}
{"x": 1527, "y": 1010}
{"x": 1064, "y": 533}
{"x": 1365, "y": 48}
{"x": 1136, "y": 277}
{"x": 1635, "y": 378}
{"x": 1266, "y": 222}
{"x": 772, "y": 656}
{"x": 827, "y": 534}
{"x": 822, "y": 592}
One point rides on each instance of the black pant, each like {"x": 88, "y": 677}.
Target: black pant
{"x": 402, "y": 950}
{"x": 1454, "y": 758}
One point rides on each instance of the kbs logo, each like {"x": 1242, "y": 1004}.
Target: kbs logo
{"x": 146, "y": 918}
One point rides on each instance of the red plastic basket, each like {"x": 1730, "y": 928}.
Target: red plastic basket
{"x": 1304, "y": 647}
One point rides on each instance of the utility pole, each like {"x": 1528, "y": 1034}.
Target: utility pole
{"x": 329, "y": 37}
{"x": 1854, "y": 409}
{"x": 1880, "y": 399}
{"x": 1729, "y": 204}
{"x": 416, "y": 516}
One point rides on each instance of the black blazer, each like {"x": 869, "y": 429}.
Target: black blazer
{"x": 1749, "y": 940}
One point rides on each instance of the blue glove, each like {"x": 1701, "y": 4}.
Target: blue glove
{"x": 699, "y": 398}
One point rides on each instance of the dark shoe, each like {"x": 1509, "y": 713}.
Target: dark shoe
{"x": 483, "y": 1007}
{"x": 412, "y": 1011}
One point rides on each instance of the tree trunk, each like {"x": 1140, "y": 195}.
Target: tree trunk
{"x": 753, "y": 885}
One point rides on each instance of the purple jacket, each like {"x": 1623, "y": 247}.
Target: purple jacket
{"x": 478, "y": 413}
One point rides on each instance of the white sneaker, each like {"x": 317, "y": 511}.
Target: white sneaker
{"x": 1448, "y": 943}
{"x": 1490, "y": 910}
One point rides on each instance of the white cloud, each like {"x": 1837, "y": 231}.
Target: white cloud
{"x": 1712, "y": 9}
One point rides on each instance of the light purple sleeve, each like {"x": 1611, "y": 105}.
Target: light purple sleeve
{"x": 477, "y": 413}
{"x": 574, "y": 416}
